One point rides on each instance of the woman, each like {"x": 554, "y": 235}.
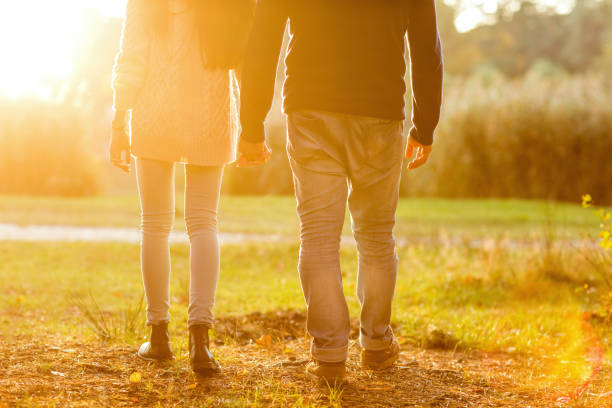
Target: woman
{"x": 174, "y": 72}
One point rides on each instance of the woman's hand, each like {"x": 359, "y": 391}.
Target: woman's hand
{"x": 252, "y": 154}
{"x": 119, "y": 150}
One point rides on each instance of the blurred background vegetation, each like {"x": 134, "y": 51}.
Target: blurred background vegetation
{"x": 527, "y": 113}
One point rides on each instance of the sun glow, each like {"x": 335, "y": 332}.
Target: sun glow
{"x": 39, "y": 39}
{"x": 472, "y": 13}
{"x": 113, "y": 8}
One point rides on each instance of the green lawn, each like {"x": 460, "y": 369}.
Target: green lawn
{"x": 277, "y": 215}
{"x": 483, "y": 299}
{"x": 508, "y": 318}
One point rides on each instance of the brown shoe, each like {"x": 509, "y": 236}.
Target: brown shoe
{"x": 330, "y": 373}
{"x": 380, "y": 359}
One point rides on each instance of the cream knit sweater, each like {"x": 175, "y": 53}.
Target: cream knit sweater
{"x": 181, "y": 112}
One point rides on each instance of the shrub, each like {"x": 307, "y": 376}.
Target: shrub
{"x": 43, "y": 150}
{"x": 543, "y": 136}
{"x": 530, "y": 138}
{"x": 533, "y": 138}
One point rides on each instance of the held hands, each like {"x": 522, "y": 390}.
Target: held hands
{"x": 422, "y": 154}
{"x": 119, "y": 150}
{"x": 252, "y": 154}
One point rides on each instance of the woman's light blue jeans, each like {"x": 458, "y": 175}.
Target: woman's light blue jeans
{"x": 156, "y": 190}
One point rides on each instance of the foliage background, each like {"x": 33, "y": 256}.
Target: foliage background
{"x": 527, "y": 114}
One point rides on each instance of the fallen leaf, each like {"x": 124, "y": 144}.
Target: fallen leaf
{"x": 192, "y": 386}
{"x": 135, "y": 378}
{"x": 58, "y": 373}
{"x": 265, "y": 340}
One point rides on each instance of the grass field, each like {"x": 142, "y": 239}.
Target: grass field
{"x": 277, "y": 215}
{"x": 485, "y": 326}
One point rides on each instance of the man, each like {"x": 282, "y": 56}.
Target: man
{"x": 344, "y": 96}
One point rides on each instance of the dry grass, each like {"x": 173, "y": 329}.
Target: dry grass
{"x": 509, "y": 332}
{"x": 52, "y": 371}
{"x": 70, "y": 372}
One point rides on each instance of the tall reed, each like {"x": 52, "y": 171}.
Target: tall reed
{"x": 529, "y": 138}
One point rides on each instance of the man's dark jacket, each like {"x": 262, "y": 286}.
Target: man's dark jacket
{"x": 345, "y": 56}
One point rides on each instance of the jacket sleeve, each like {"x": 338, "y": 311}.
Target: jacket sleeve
{"x": 131, "y": 63}
{"x": 427, "y": 69}
{"x": 260, "y": 65}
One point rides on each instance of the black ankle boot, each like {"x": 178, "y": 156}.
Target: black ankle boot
{"x": 202, "y": 360}
{"x": 159, "y": 347}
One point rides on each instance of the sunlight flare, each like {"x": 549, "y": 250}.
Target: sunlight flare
{"x": 39, "y": 39}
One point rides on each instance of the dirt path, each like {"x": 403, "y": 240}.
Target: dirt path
{"x": 42, "y": 233}
{"x": 76, "y": 374}
{"x": 264, "y": 372}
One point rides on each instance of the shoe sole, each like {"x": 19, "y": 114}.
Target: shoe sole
{"x": 154, "y": 359}
{"x": 382, "y": 365}
{"x": 206, "y": 369}
{"x": 327, "y": 381}
{"x": 206, "y": 372}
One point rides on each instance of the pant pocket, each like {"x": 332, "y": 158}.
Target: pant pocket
{"x": 385, "y": 144}
{"x": 310, "y": 144}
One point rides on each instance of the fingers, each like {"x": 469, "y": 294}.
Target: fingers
{"x": 127, "y": 160}
{"x": 114, "y": 156}
{"x": 252, "y": 151}
{"x": 415, "y": 164}
{"x": 250, "y": 158}
{"x": 421, "y": 158}
{"x": 422, "y": 154}
{"x": 267, "y": 154}
{"x": 117, "y": 159}
{"x": 409, "y": 149}
{"x": 245, "y": 162}
{"x": 121, "y": 165}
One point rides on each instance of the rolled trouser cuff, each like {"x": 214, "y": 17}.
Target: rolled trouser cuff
{"x": 329, "y": 355}
{"x": 156, "y": 322}
{"x": 201, "y": 322}
{"x": 376, "y": 344}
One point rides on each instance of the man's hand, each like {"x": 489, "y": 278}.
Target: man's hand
{"x": 119, "y": 150}
{"x": 422, "y": 154}
{"x": 252, "y": 154}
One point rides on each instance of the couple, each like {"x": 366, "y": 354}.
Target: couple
{"x": 181, "y": 66}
